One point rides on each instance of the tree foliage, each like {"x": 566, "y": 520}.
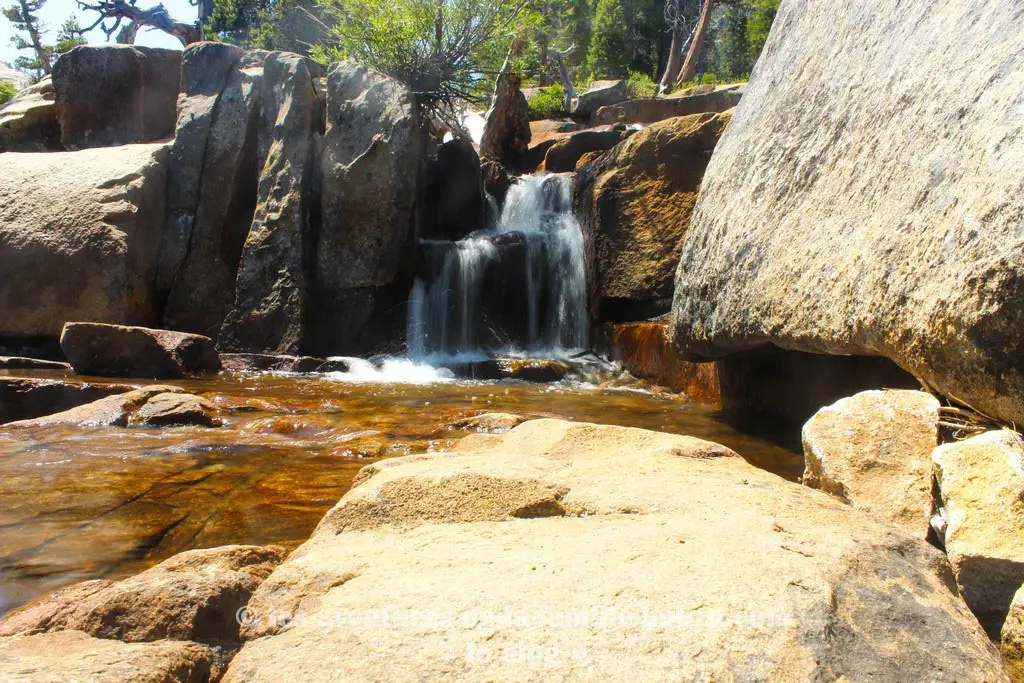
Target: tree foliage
{"x": 23, "y": 15}
{"x": 608, "y": 57}
{"x": 7, "y": 92}
{"x": 292, "y": 25}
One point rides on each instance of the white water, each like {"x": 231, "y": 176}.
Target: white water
{"x": 445, "y": 312}
{"x": 390, "y": 371}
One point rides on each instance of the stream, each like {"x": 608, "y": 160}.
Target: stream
{"x": 106, "y": 502}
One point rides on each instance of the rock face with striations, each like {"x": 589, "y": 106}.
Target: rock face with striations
{"x": 28, "y": 123}
{"x": 372, "y": 152}
{"x": 618, "y": 550}
{"x": 109, "y": 95}
{"x": 867, "y": 198}
{"x": 79, "y": 237}
{"x": 271, "y": 305}
{"x": 635, "y": 203}
{"x": 874, "y": 451}
{"x": 212, "y": 179}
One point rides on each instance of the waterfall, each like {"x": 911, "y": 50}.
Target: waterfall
{"x": 448, "y": 305}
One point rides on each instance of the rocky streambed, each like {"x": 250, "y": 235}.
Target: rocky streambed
{"x": 86, "y": 502}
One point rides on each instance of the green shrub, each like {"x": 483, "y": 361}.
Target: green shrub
{"x": 709, "y": 79}
{"x": 641, "y": 85}
{"x": 7, "y": 91}
{"x": 547, "y": 103}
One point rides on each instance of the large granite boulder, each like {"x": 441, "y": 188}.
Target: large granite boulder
{"x": 170, "y": 406}
{"x": 212, "y": 179}
{"x": 874, "y": 451}
{"x": 28, "y": 123}
{"x": 867, "y": 198}
{"x": 75, "y": 656}
{"x": 981, "y": 489}
{"x": 635, "y": 203}
{"x": 599, "y": 94}
{"x": 194, "y": 595}
{"x": 613, "y": 554}
{"x": 270, "y": 308}
{"x": 372, "y": 152}
{"x": 127, "y": 351}
{"x": 653, "y": 109}
{"x": 109, "y": 95}
{"x": 79, "y": 237}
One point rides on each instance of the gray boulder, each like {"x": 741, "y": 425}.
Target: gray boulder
{"x": 212, "y": 185}
{"x": 652, "y": 109}
{"x": 270, "y": 308}
{"x": 600, "y": 94}
{"x": 372, "y": 152}
{"x": 79, "y": 237}
{"x": 109, "y": 95}
{"x": 867, "y": 198}
{"x": 28, "y": 123}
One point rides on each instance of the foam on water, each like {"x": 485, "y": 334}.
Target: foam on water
{"x": 390, "y": 371}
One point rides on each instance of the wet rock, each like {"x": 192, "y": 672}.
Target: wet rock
{"x": 496, "y": 180}
{"x": 75, "y": 656}
{"x": 454, "y": 197}
{"x": 563, "y": 155}
{"x": 194, "y": 595}
{"x": 1012, "y": 638}
{"x": 600, "y": 94}
{"x": 118, "y": 410}
{"x": 24, "y": 399}
{"x": 124, "y": 351}
{"x": 586, "y": 159}
{"x": 173, "y": 409}
{"x": 271, "y": 302}
{"x": 22, "y": 363}
{"x": 532, "y": 369}
{"x": 213, "y": 175}
{"x": 826, "y": 585}
{"x": 981, "y": 486}
{"x": 28, "y": 123}
{"x": 636, "y": 202}
{"x": 61, "y": 214}
{"x": 651, "y": 110}
{"x": 645, "y": 351}
{"x": 265, "y": 362}
{"x": 869, "y": 253}
{"x": 110, "y": 95}
{"x": 489, "y": 423}
{"x": 507, "y": 133}
{"x": 372, "y": 153}
{"x": 873, "y": 451}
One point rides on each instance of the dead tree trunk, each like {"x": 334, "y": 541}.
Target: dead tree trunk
{"x": 155, "y": 17}
{"x": 693, "y": 55}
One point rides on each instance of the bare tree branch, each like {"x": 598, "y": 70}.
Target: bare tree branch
{"x": 155, "y": 17}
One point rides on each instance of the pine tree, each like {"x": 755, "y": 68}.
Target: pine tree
{"x": 608, "y": 57}
{"x": 732, "y": 46}
{"x": 758, "y": 25}
{"x": 23, "y": 17}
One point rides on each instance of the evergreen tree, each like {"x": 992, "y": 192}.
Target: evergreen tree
{"x": 732, "y": 46}
{"x": 23, "y": 17}
{"x": 760, "y": 22}
{"x": 607, "y": 58}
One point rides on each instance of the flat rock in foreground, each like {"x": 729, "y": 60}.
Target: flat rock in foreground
{"x": 867, "y": 198}
{"x": 571, "y": 550}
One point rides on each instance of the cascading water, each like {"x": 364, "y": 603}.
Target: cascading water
{"x": 446, "y": 307}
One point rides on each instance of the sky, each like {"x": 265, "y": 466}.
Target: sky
{"x": 54, "y": 12}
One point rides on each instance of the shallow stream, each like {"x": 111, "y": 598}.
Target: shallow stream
{"x": 104, "y": 502}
